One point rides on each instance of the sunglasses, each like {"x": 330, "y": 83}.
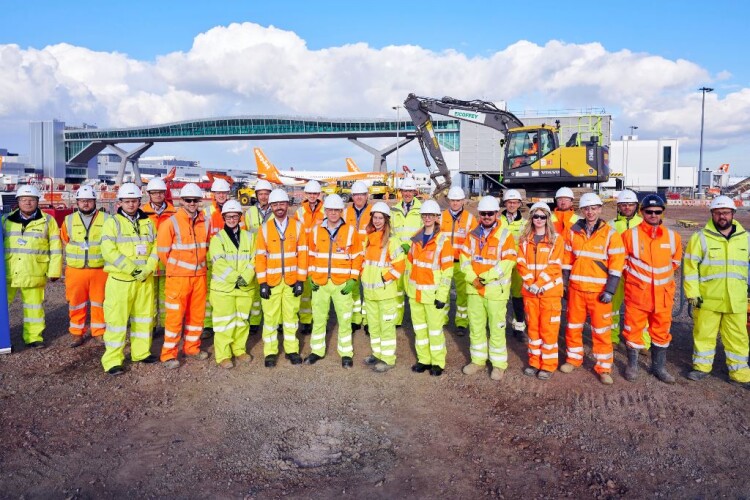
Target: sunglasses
{"x": 486, "y": 214}
{"x": 190, "y": 200}
{"x": 653, "y": 212}
{"x": 539, "y": 217}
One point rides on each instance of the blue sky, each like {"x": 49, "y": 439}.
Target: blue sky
{"x": 712, "y": 36}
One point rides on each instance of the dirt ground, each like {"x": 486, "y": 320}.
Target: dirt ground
{"x": 68, "y": 430}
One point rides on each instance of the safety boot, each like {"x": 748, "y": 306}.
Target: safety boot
{"x": 697, "y": 375}
{"x": 226, "y": 364}
{"x": 419, "y": 367}
{"x": 200, "y": 355}
{"x": 270, "y": 361}
{"x": 658, "y": 364}
{"x": 472, "y": 369}
{"x": 347, "y": 362}
{"x": 530, "y": 371}
{"x": 436, "y": 371}
{"x": 631, "y": 371}
{"x": 312, "y": 359}
{"x": 76, "y": 341}
{"x": 171, "y": 364}
{"x": 382, "y": 367}
{"x": 294, "y": 358}
{"x": 606, "y": 379}
{"x": 150, "y": 359}
{"x": 567, "y": 368}
{"x": 497, "y": 373}
{"x": 243, "y": 358}
{"x": 371, "y": 360}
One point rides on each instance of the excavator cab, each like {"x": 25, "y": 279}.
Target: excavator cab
{"x": 526, "y": 145}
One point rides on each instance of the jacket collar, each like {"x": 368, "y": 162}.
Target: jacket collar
{"x": 417, "y": 238}
{"x": 15, "y": 216}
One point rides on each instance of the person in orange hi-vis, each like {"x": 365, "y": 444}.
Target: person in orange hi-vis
{"x": 335, "y": 260}
{"x": 457, "y": 222}
{"x": 654, "y": 253}
{"x": 281, "y": 267}
{"x": 564, "y": 215}
{"x": 358, "y": 215}
{"x": 182, "y": 244}
{"x": 428, "y": 288}
{"x": 309, "y": 213}
{"x": 540, "y": 252}
{"x": 594, "y": 259}
{"x": 158, "y": 210}
{"x": 85, "y": 279}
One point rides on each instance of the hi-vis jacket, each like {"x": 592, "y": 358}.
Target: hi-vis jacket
{"x": 229, "y": 262}
{"x": 214, "y": 219}
{"x": 540, "y": 264}
{"x": 281, "y": 255}
{"x": 515, "y": 226}
{"x": 431, "y": 268}
{"x": 490, "y": 258}
{"x": 405, "y": 225}
{"x": 129, "y": 245}
{"x": 255, "y": 217}
{"x": 382, "y": 267}
{"x": 653, "y": 254}
{"x": 350, "y": 217}
{"x": 33, "y": 253}
{"x": 715, "y": 268}
{"x": 563, "y": 220}
{"x": 83, "y": 245}
{"x": 183, "y": 243}
{"x": 622, "y": 223}
{"x": 157, "y": 219}
{"x": 595, "y": 262}
{"x": 457, "y": 229}
{"x": 309, "y": 217}
{"x": 336, "y": 256}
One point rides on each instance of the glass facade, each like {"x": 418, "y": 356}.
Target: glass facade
{"x": 666, "y": 166}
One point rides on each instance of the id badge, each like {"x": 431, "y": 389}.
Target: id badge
{"x": 140, "y": 249}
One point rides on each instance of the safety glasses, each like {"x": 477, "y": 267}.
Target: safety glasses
{"x": 486, "y": 214}
{"x": 190, "y": 200}
{"x": 539, "y": 217}
{"x": 653, "y": 212}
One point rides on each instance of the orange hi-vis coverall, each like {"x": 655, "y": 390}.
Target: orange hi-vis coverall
{"x": 653, "y": 255}
{"x": 85, "y": 278}
{"x": 458, "y": 227}
{"x": 595, "y": 263}
{"x": 280, "y": 262}
{"x": 429, "y": 281}
{"x": 540, "y": 267}
{"x": 182, "y": 243}
{"x": 309, "y": 217}
{"x": 489, "y": 255}
{"x": 160, "y": 278}
{"x": 334, "y": 258}
{"x": 358, "y": 219}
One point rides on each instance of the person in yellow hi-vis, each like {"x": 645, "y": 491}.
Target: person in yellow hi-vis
{"x": 384, "y": 263}
{"x": 129, "y": 251}
{"x": 232, "y": 254}
{"x": 716, "y": 271}
{"x": 33, "y": 254}
{"x": 334, "y": 261}
{"x": 429, "y": 286}
{"x": 405, "y": 221}
{"x": 255, "y": 217}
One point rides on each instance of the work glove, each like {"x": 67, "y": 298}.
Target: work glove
{"x": 605, "y": 297}
{"x": 405, "y": 247}
{"x": 297, "y": 289}
{"x": 533, "y": 289}
{"x": 439, "y": 304}
{"x": 240, "y": 282}
{"x": 142, "y": 277}
{"x": 313, "y": 285}
{"x": 696, "y": 302}
{"x": 136, "y": 272}
{"x": 477, "y": 283}
{"x": 349, "y": 286}
{"x": 265, "y": 291}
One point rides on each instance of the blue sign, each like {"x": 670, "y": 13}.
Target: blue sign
{"x": 4, "y": 320}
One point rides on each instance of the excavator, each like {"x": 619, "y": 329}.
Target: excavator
{"x": 534, "y": 158}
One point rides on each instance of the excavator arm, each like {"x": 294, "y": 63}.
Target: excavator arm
{"x": 477, "y": 111}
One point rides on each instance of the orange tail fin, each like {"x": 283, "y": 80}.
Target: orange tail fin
{"x": 266, "y": 169}
{"x": 351, "y": 166}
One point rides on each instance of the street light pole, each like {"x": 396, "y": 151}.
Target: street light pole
{"x": 700, "y": 154}
{"x": 398, "y": 128}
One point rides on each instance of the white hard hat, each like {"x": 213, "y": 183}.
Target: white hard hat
{"x": 564, "y": 192}
{"x": 156, "y": 184}
{"x": 333, "y": 201}
{"x": 408, "y": 184}
{"x": 220, "y": 186}
{"x": 191, "y": 190}
{"x": 589, "y": 200}
{"x": 626, "y": 196}
{"x": 278, "y": 195}
{"x": 488, "y": 204}
{"x": 28, "y": 190}
{"x": 85, "y": 193}
{"x": 539, "y": 205}
{"x": 129, "y": 190}
{"x": 360, "y": 187}
{"x": 722, "y": 202}
{"x": 263, "y": 185}
{"x": 381, "y": 207}
{"x": 312, "y": 186}
{"x": 231, "y": 206}
{"x": 511, "y": 194}
{"x": 430, "y": 207}
{"x": 456, "y": 193}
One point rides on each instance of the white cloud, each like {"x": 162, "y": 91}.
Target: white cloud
{"x": 251, "y": 69}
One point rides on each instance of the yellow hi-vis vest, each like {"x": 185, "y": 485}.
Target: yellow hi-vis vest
{"x": 83, "y": 249}
{"x": 127, "y": 246}
{"x": 34, "y": 253}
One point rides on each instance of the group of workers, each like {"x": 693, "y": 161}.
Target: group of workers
{"x": 222, "y": 271}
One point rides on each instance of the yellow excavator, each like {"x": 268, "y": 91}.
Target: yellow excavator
{"x": 534, "y": 158}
